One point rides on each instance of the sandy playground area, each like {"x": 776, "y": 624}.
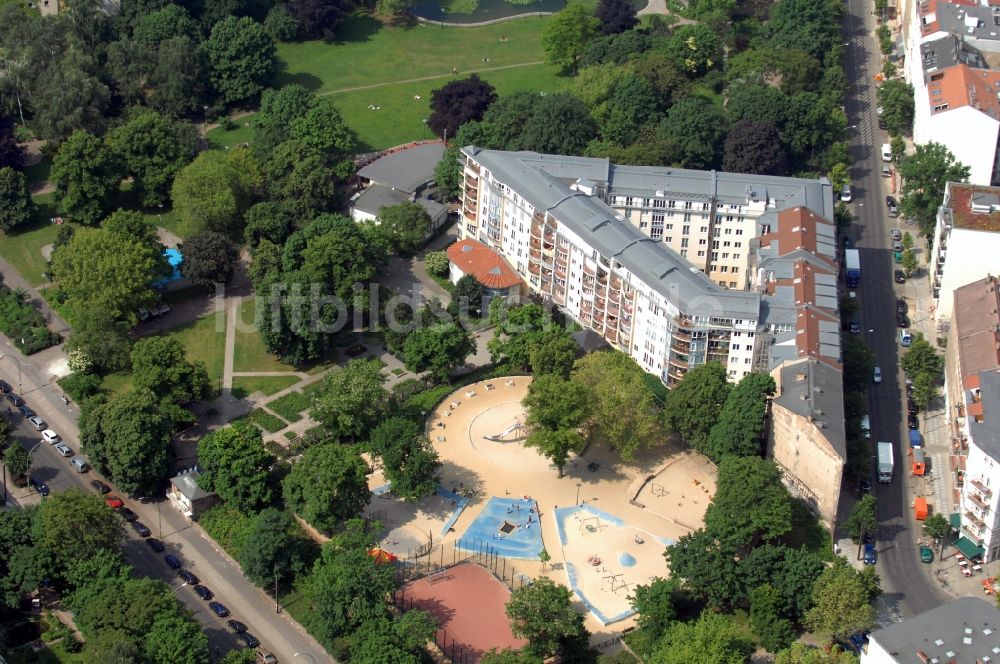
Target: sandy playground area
{"x": 476, "y": 432}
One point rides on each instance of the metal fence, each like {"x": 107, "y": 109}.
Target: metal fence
{"x": 428, "y": 559}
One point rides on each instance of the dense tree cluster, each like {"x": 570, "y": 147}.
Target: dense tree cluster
{"x": 925, "y": 174}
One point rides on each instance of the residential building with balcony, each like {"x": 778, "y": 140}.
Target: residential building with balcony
{"x": 966, "y": 237}
{"x": 980, "y": 530}
{"x": 547, "y": 216}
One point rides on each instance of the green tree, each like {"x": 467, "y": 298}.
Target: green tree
{"x": 800, "y": 653}
{"x": 553, "y": 352}
{"x": 73, "y": 525}
{"x": 104, "y": 342}
{"x": 278, "y": 108}
{"x": 406, "y": 226}
{"x": 176, "y": 638}
{"x": 937, "y": 526}
{"x": 128, "y": 438}
{"x": 158, "y": 26}
{"x": 616, "y": 16}
{"x": 448, "y": 173}
{"x": 807, "y": 26}
{"x": 210, "y": 258}
{"x": 741, "y": 421}
{"x": 922, "y": 357}
{"x": 267, "y": 221}
{"x": 694, "y": 48}
{"x": 863, "y": 518}
{"x": 696, "y": 403}
{"x": 439, "y": 349}
{"x": 105, "y": 271}
{"x": 17, "y": 461}
{"x": 556, "y": 444}
{"x": 924, "y": 174}
{"x": 750, "y": 504}
{"x": 697, "y": 128}
{"x": 322, "y": 128}
{"x": 655, "y": 605}
{"x": 154, "y": 149}
{"x": 390, "y": 432}
{"x": 754, "y": 147}
{"x": 86, "y": 174}
{"x": 276, "y": 547}
{"x": 467, "y": 300}
{"x": 412, "y": 465}
{"x": 15, "y": 202}
{"x": 566, "y": 36}
{"x": 160, "y": 365}
{"x": 543, "y": 613}
{"x": 767, "y": 610}
{"x": 301, "y": 179}
{"x": 242, "y": 58}
{"x": 348, "y": 586}
{"x": 70, "y": 96}
{"x": 622, "y": 408}
{"x": 280, "y": 24}
{"x": 555, "y": 403}
{"x": 859, "y": 362}
{"x": 925, "y": 389}
{"x": 245, "y": 656}
{"x": 207, "y": 195}
{"x": 179, "y": 78}
{"x": 712, "y": 638}
{"x": 519, "y": 329}
{"x": 907, "y": 240}
{"x": 351, "y": 399}
{"x": 235, "y": 465}
{"x": 327, "y": 485}
{"x": 896, "y": 100}
{"x": 841, "y": 605}
{"x": 909, "y": 262}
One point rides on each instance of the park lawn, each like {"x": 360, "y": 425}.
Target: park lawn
{"x": 165, "y": 218}
{"x": 23, "y": 247}
{"x": 368, "y": 53}
{"x": 400, "y": 117}
{"x": 250, "y": 354}
{"x": 38, "y": 174}
{"x": 244, "y": 386}
{"x": 221, "y": 138}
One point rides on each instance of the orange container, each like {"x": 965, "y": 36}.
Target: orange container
{"x": 920, "y": 508}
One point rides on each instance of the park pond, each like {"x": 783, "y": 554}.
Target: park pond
{"x": 477, "y": 11}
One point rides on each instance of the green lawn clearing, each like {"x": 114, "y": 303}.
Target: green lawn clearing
{"x": 401, "y": 115}
{"x": 221, "y": 138}
{"x": 244, "y": 386}
{"x": 22, "y": 248}
{"x": 265, "y": 420}
{"x": 250, "y": 354}
{"x": 165, "y": 218}
{"x": 292, "y": 405}
{"x": 368, "y": 53}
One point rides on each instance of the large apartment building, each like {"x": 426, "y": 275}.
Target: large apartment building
{"x": 966, "y": 237}
{"x": 591, "y": 236}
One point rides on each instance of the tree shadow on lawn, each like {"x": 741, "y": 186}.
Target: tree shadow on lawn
{"x": 358, "y": 28}
{"x": 308, "y": 81}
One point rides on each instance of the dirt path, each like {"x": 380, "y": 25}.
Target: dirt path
{"x": 430, "y": 78}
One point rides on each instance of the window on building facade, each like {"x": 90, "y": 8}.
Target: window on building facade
{"x": 736, "y": 269}
{"x": 725, "y": 255}
{"x": 668, "y": 239}
{"x": 656, "y": 233}
{"x": 702, "y": 242}
{"x": 715, "y": 255}
{"x": 685, "y": 230}
{"x": 642, "y": 224}
{"x": 684, "y": 253}
{"x": 670, "y": 227}
{"x": 715, "y": 244}
{"x": 723, "y": 268}
{"x": 628, "y": 201}
{"x": 671, "y": 204}
{"x": 658, "y": 217}
{"x": 659, "y": 203}
{"x": 684, "y": 242}
{"x": 732, "y": 284}
{"x": 704, "y": 229}
{"x": 739, "y": 231}
{"x": 687, "y": 217}
{"x": 688, "y": 205}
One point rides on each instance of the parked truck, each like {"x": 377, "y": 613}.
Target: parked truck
{"x": 852, "y": 266}
{"x": 884, "y": 462}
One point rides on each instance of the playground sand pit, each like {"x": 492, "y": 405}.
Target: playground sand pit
{"x": 409, "y": 528}
{"x": 606, "y": 559}
{"x": 681, "y": 490}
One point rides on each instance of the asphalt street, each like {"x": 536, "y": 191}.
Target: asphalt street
{"x": 216, "y": 570}
{"x": 907, "y": 589}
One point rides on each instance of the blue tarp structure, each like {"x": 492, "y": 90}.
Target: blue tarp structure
{"x": 175, "y": 259}
{"x": 915, "y": 440}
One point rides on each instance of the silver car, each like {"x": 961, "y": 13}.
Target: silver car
{"x": 63, "y": 449}
{"x": 37, "y": 422}
{"x": 896, "y": 235}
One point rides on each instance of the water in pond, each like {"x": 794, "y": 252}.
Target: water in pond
{"x": 489, "y": 10}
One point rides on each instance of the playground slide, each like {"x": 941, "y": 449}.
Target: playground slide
{"x": 503, "y": 434}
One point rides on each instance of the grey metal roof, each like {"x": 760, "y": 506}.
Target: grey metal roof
{"x": 814, "y": 389}
{"x": 656, "y": 265}
{"x": 187, "y": 484}
{"x": 949, "y": 51}
{"x": 408, "y": 169}
{"x": 376, "y": 197}
{"x": 986, "y": 434}
{"x": 964, "y": 630}
{"x": 971, "y": 22}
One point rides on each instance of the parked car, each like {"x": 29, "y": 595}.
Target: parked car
{"x": 155, "y": 544}
{"x": 845, "y": 193}
{"x": 926, "y": 554}
{"x": 911, "y": 406}
{"x": 172, "y": 561}
{"x": 895, "y": 233}
{"x": 855, "y": 327}
{"x": 203, "y": 592}
{"x": 4, "y": 387}
{"x": 893, "y": 208}
{"x": 188, "y": 576}
{"x": 219, "y": 609}
{"x": 100, "y": 486}
{"x": 128, "y": 514}
{"x": 63, "y": 449}
{"x": 905, "y": 338}
{"x": 899, "y": 277}
{"x": 877, "y": 375}
{"x": 897, "y": 246}
{"x": 114, "y": 502}
{"x": 15, "y": 400}
{"x": 237, "y": 626}
{"x": 250, "y": 640}
{"x": 901, "y": 307}
{"x": 902, "y": 320}
{"x": 37, "y": 422}
{"x": 50, "y": 437}
{"x": 866, "y": 486}
{"x": 140, "y": 529}
{"x": 355, "y": 350}
{"x": 881, "y": 123}
{"x": 871, "y": 556}
{"x": 911, "y": 421}
{"x": 80, "y": 464}
{"x": 39, "y": 486}
{"x": 26, "y": 411}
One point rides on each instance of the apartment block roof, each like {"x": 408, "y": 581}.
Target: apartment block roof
{"x": 977, "y": 325}
{"x": 376, "y": 197}
{"x": 799, "y": 228}
{"x": 407, "y": 169}
{"x": 961, "y": 85}
{"x": 983, "y": 415}
{"x": 722, "y": 187}
{"x": 973, "y": 207}
{"x": 655, "y": 264}
{"x": 486, "y": 265}
{"x": 964, "y": 630}
{"x": 815, "y": 390}
{"x": 948, "y": 51}
{"x": 968, "y": 18}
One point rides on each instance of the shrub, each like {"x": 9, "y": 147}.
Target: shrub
{"x": 227, "y": 526}
{"x": 291, "y": 406}
{"x": 81, "y": 386}
{"x": 437, "y": 263}
{"x": 265, "y": 420}
{"x": 23, "y": 324}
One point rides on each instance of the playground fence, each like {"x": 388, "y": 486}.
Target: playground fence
{"x": 427, "y": 560}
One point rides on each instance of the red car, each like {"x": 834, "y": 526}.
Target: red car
{"x": 114, "y": 502}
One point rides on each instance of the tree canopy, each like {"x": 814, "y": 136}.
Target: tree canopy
{"x": 841, "y": 603}
{"x": 750, "y": 504}
{"x": 235, "y": 465}
{"x": 742, "y": 418}
{"x": 405, "y": 226}
{"x": 351, "y": 399}
{"x": 542, "y": 613}
{"x": 924, "y": 175}
{"x": 160, "y": 365}
{"x": 242, "y": 58}
{"x": 328, "y": 485}
{"x": 896, "y": 100}
{"x": 154, "y": 149}
{"x": 439, "y": 349}
{"x": 566, "y": 36}
{"x": 86, "y": 174}
{"x": 15, "y": 201}
{"x": 694, "y": 405}
{"x": 616, "y": 16}
{"x": 210, "y": 258}
{"x": 458, "y": 102}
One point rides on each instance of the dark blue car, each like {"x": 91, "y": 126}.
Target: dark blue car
{"x": 870, "y": 554}
{"x": 39, "y": 486}
{"x": 172, "y": 561}
{"x": 219, "y": 609}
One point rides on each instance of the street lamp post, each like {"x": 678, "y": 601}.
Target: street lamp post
{"x": 18, "y": 363}
{"x": 578, "y": 485}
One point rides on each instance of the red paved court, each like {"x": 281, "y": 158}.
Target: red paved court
{"x": 468, "y": 602}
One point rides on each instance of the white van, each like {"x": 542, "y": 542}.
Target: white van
{"x": 80, "y": 465}
{"x": 866, "y": 428}
{"x": 905, "y": 338}
{"x": 886, "y": 152}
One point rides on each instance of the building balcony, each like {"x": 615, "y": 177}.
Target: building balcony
{"x": 589, "y": 272}
{"x": 535, "y": 243}
{"x": 613, "y": 309}
{"x": 682, "y": 334}
{"x": 548, "y": 249}
{"x": 978, "y": 501}
{"x": 615, "y": 283}
{"x": 600, "y": 302}
{"x": 598, "y": 318}
{"x": 538, "y": 218}
{"x": 534, "y": 268}
{"x": 597, "y": 327}
{"x": 588, "y": 296}
{"x": 585, "y": 317}
{"x": 675, "y": 375}
{"x": 473, "y": 166}
{"x": 625, "y": 326}
{"x": 534, "y": 255}
{"x": 536, "y": 232}
{"x": 627, "y": 306}
{"x": 549, "y": 236}
{"x": 975, "y": 520}
{"x": 981, "y": 488}
{"x": 611, "y": 335}
{"x": 678, "y": 360}
{"x": 560, "y": 270}
{"x": 562, "y": 256}
{"x": 601, "y": 291}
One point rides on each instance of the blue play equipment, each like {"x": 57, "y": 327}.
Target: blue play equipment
{"x": 175, "y": 259}
{"x": 503, "y": 525}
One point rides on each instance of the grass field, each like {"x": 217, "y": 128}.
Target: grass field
{"x": 220, "y": 138}
{"x": 23, "y": 248}
{"x": 265, "y": 420}
{"x": 368, "y": 53}
{"x": 250, "y": 354}
{"x": 244, "y": 386}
